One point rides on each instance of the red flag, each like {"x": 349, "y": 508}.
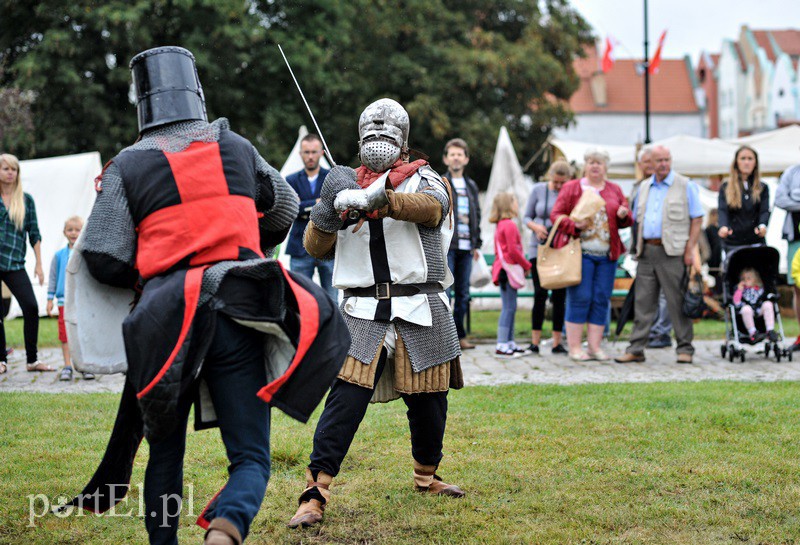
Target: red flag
{"x": 654, "y": 64}
{"x": 608, "y": 58}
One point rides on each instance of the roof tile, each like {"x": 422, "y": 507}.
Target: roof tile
{"x": 671, "y": 88}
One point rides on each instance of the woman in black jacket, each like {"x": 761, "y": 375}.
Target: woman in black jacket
{"x": 743, "y": 203}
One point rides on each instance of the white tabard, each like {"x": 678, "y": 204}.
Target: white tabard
{"x": 406, "y": 257}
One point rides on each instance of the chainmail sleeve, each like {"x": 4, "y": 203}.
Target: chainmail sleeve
{"x": 108, "y": 242}
{"x": 276, "y": 199}
{"x": 433, "y": 185}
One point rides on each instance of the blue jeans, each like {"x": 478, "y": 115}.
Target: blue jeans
{"x": 590, "y": 300}
{"x": 505, "y": 324}
{"x": 234, "y": 371}
{"x": 662, "y": 326}
{"x": 305, "y": 265}
{"x": 460, "y": 263}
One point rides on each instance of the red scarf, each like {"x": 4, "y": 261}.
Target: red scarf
{"x": 398, "y": 173}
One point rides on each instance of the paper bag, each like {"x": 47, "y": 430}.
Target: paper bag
{"x": 588, "y": 205}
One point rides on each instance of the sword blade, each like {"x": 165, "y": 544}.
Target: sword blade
{"x": 319, "y": 132}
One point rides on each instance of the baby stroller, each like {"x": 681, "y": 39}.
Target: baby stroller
{"x": 764, "y": 260}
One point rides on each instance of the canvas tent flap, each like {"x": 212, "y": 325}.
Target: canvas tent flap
{"x": 777, "y": 150}
{"x": 692, "y": 156}
{"x": 506, "y": 176}
{"x": 786, "y": 139}
{"x": 572, "y": 151}
{"x": 61, "y": 187}
{"x": 294, "y": 163}
{"x": 699, "y": 157}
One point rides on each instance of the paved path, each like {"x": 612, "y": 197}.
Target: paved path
{"x": 481, "y": 367}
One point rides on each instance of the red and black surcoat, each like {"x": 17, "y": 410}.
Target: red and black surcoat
{"x": 193, "y": 209}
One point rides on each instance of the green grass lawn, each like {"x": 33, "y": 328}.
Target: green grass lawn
{"x": 484, "y": 326}
{"x": 48, "y": 333}
{"x": 708, "y": 462}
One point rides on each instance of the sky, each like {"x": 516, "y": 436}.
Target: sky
{"x": 692, "y": 25}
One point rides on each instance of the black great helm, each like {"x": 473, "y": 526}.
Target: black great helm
{"x": 167, "y": 87}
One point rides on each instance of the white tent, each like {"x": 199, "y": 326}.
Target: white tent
{"x": 622, "y": 157}
{"x": 293, "y": 164}
{"x": 698, "y": 157}
{"x": 506, "y": 176}
{"x": 786, "y": 140}
{"x": 61, "y": 187}
{"x": 701, "y": 157}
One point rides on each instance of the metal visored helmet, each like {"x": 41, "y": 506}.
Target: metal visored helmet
{"x": 167, "y": 87}
{"x": 383, "y": 134}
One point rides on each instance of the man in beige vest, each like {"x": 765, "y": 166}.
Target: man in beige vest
{"x": 669, "y": 217}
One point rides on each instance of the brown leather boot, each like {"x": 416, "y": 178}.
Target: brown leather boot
{"x": 312, "y": 501}
{"x": 426, "y": 480}
{"x": 222, "y": 532}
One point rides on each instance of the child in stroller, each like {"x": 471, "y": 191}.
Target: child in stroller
{"x": 750, "y": 300}
{"x": 750, "y": 297}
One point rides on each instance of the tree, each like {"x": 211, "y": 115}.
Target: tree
{"x": 461, "y": 68}
{"x": 75, "y": 56}
{"x": 16, "y": 120}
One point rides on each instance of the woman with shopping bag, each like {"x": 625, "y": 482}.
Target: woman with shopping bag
{"x": 594, "y": 210}
{"x": 537, "y": 219}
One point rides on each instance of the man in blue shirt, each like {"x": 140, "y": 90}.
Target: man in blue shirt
{"x": 307, "y": 184}
{"x": 669, "y": 217}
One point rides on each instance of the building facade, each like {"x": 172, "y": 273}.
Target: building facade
{"x": 756, "y": 81}
{"x": 609, "y": 107}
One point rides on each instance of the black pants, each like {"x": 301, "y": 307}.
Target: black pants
{"x": 557, "y": 297}
{"x": 20, "y": 286}
{"x": 345, "y": 408}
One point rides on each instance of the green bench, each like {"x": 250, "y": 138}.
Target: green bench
{"x": 489, "y": 258}
{"x": 617, "y": 293}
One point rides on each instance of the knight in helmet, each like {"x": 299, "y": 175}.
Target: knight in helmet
{"x": 188, "y": 213}
{"x": 388, "y": 226}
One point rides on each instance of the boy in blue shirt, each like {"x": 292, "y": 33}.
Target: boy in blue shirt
{"x": 55, "y": 290}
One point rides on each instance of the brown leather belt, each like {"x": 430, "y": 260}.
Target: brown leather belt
{"x": 387, "y": 290}
{"x": 653, "y": 241}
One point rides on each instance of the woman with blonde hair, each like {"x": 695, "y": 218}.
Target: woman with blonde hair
{"x": 537, "y": 218}
{"x": 18, "y": 219}
{"x": 601, "y": 246}
{"x": 509, "y": 259}
{"x": 743, "y": 203}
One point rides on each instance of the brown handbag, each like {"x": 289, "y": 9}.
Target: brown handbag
{"x": 559, "y": 267}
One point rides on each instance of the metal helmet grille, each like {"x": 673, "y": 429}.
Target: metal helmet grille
{"x": 379, "y": 155}
{"x": 383, "y": 134}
